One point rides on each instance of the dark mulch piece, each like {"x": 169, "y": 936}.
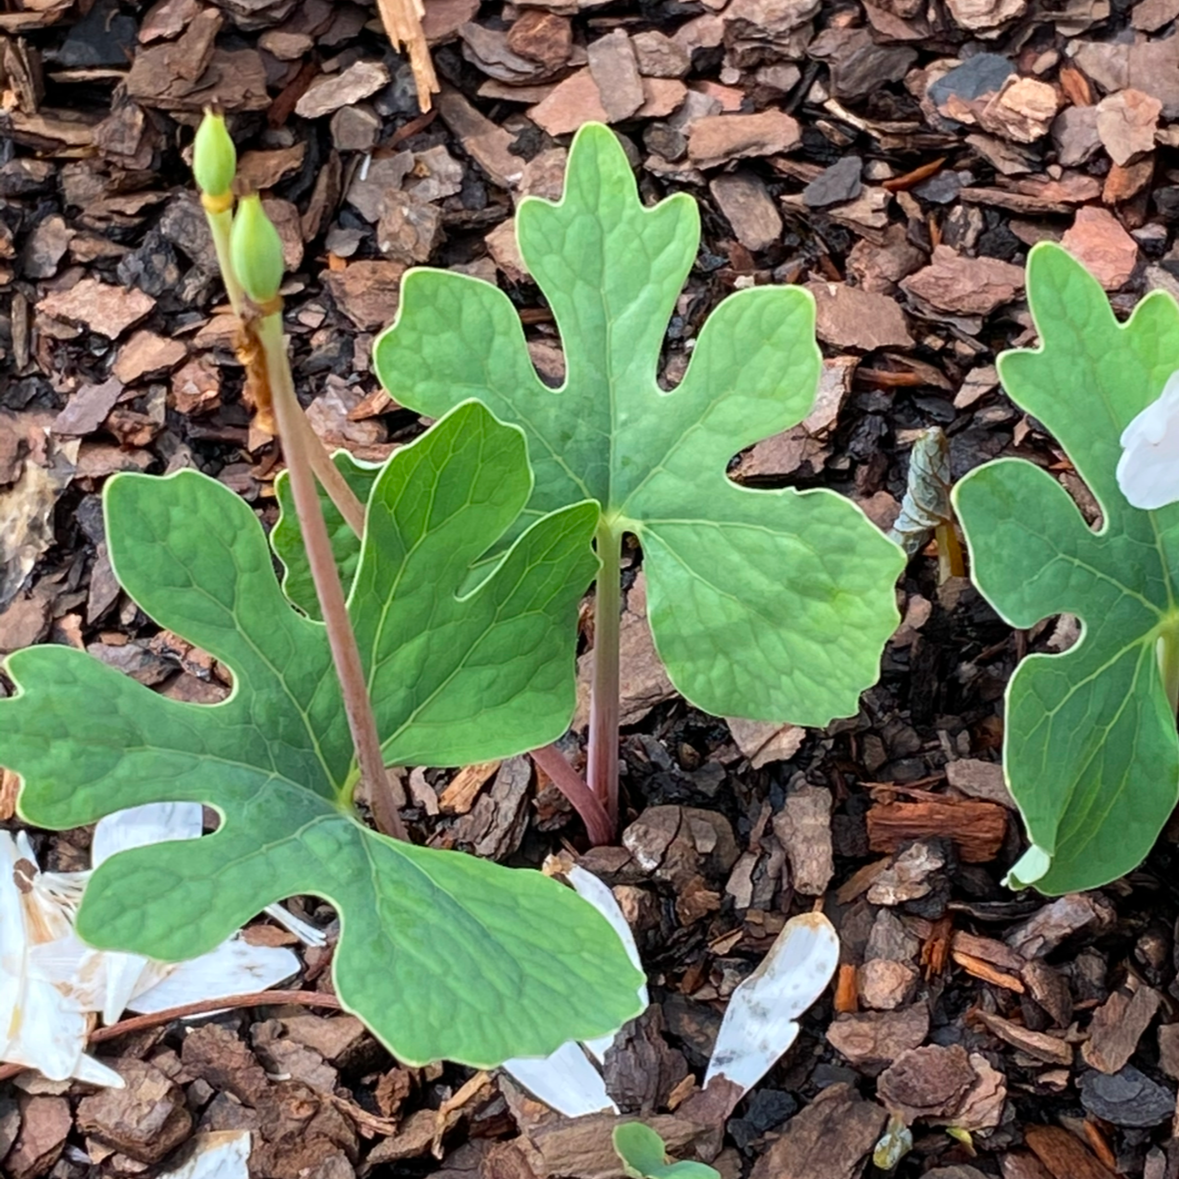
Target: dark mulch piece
{"x": 899, "y": 158}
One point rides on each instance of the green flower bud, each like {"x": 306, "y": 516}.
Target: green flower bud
{"x": 255, "y": 250}
{"x": 214, "y": 158}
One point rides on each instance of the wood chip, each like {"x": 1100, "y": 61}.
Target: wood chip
{"x": 461, "y": 791}
{"x": 146, "y": 354}
{"x": 717, "y": 139}
{"x": 1064, "y": 1155}
{"x": 1126, "y": 123}
{"x": 88, "y": 407}
{"x": 329, "y": 92}
{"x": 965, "y": 286}
{"x": 748, "y": 207}
{"x": 764, "y": 742}
{"x": 615, "y": 70}
{"x": 872, "y": 1040}
{"x": 830, "y": 1137}
{"x": 1117, "y": 1026}
{"x": 927, "y": 1082}
{"x": 848, "y": 317}
{"x": 976, "y": 828}
{"x": 367, "y": 292}
{"x": 1098, "y": 241}
{"x": 803, "y": 828}
{"x": 1050, "y": 1049}
{"x": 98, "y": 306}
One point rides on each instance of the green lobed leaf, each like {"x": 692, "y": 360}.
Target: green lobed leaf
{"x": 1090, "y": 747}
{"x": 768, "y": 604}
{"x": 443, "y": 955}
{"x": 644, "y": 1156}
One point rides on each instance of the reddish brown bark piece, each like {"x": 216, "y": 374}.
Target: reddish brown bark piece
{"x": 926, "y": 1082}
{"x": 1099, "y": 242}
{"x": 976, "y": 828}
{"x": 1118, "y": 1025}
{"x": 1049, "y": 1049}
{"x": 1064, "y": 1155}
{"x": 719, "y": 138}
{"x": 871, "y": 1040}
{"x": 848, "y": 317}
{"x": 1126, "y": 123}
{"x": 1021, "y": 1165}
{"x": 803, "y": 828}
{"x": 45, "y": 1123}
{"x": 830, "y": 1137}
{"x": 145, "y": 1120}
{"x": 108, "y": 310}
{"x": 968, "y": 286}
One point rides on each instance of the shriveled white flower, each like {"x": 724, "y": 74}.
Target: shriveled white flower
{"x": 1148, "y": 471}
{"x": 53, "y": 986}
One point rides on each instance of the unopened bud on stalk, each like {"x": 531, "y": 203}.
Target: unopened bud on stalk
{"x": 214, "y": 158}
{"x": 256, "y": 251}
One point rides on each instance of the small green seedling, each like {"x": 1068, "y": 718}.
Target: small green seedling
{"x": 765, "y": 604}
{"x": 644, "y": 1156}
{"x": 1090, "y": 746}
{"x": 443, "y": 955}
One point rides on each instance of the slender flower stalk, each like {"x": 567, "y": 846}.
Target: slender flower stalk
{"x": 602, "y": 754}
{"x": 256, "y": 253}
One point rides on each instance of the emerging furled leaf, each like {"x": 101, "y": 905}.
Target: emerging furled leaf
{"x": 1090, "y": 746}
{"x": 443, "y": 955}
{"x": 927, "y": 492}
{"x": 768, "y": 604}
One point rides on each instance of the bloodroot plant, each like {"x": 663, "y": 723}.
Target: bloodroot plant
{"x": 771, "y": 605}
{"x": 419, "y": 661}
{"x": 1090, "y": 747}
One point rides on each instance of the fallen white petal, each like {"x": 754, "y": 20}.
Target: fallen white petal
{"x": 40, "y": 1026}
{"x": 220, "y": 1154}
{"x": 307, "y": 933}
{"x": 52, "y": 983}
{"x": 590, "y": 888}
{"x": 139, "y": 826}
{"x": 759, "y": 1023}
{"x": 565, "y": 1081}
{"x": 1148, "y": 471}
{"x": 234, "y": 968}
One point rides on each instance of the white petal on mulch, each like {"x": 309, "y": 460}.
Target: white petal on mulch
{"x": 566, "y": 1081}
{"x": 590, "y": 888}
{"x": 218, "y": 1155}
{"x": 759, "y": 1024}
{"x": 1148, "y": 471}
{"x": 138, "y": 826}
{"x": 42, "y": 1028}
{"x": 156, "y": 822}
{"x": 234, "y": 968}
{"x": 52, "y": 984}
